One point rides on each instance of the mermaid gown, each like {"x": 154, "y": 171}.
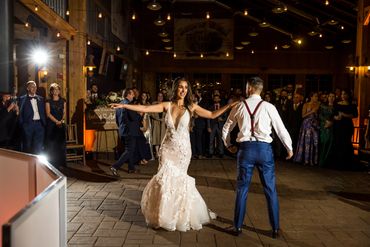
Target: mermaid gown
{"x": 170, "y": 200}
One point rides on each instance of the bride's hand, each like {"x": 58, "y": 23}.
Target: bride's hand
{"x": 115, "y": 105}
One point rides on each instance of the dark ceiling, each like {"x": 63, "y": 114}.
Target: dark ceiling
{"x": 288, "y": 20}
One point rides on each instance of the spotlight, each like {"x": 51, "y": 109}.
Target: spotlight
{"x": 40, "y": 56}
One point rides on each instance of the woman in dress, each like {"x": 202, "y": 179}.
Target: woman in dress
{"x": 144, "y": 142}
{"x": 343, "y": 128}
{"x": 308, "y": 141}
{"x": 55, "y": 129}
{"x": 326, "y": 114}
{"x": 158, "y": 125}
{"x": 170, "y": 200}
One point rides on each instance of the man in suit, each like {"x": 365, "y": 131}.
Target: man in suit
{"x": 295, "y": 118}
{"x": 255, "y": 118}
{"x": 32, "y": 119}
{"x": 214, "y": 127}
{"x": 283, "y": 106}
{"x": 129, "y": 131}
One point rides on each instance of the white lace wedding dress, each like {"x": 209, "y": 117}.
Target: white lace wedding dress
{"x": 170, "y": 200}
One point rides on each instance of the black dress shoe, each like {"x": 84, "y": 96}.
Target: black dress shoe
{"x": 234, "y": 231}
{"x": 275, "y": 233}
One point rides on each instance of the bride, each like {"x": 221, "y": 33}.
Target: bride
{"x": 170, "y": 200}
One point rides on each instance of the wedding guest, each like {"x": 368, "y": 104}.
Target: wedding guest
{"x": 8, "y": 121}
{"x": 32, "y": 119}
{"x": 343, "y": 129}
{"x": 326, "y": 114}
{"x": 55, "y": 128}
{"x": 308, "y": 141}
{"x": 158, "y": 125}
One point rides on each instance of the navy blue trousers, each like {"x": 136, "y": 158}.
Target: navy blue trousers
{"x": 130, "y": 144}
{"x": 258, "y": 154}
{"x": 33, "y": 137}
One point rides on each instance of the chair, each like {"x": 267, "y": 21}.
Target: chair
{"x": 75, "y": 151}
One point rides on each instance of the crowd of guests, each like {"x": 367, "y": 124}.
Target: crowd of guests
{"x": 34, "y": 125}
{"x": 320, "y": 125}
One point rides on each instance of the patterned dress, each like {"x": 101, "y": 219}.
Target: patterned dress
{"x": 308, "y": 141}
{"x": 170, "y": 200}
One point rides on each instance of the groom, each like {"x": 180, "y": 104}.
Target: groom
{"x": 255, "y": 118}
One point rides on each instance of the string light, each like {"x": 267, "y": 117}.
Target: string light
{"x": 36, "y": 8}
{"x": 320, "y": 35}
{"x": 26, "y": 24}
{"x": 276, "y": 47}
{"x": 245, "y": 12}
{"x": 327, "y": 2}
{"x": 118, "y": 48}
{"x": 147, "y": 52}
{"x": 174, "y": 54}
{"x": 201, "y": 55}
{"x": 133, "y": 17}
{"x": 58, "y": 34}
{"x": 342, "y": 27}
{"x": 208, "y": 16}
{"x": 168, "y": 17}
{"x": 252, "y": 51}
{"x": 227, "y": 54}
{"x": 88, "y": 42}
{"x": 67, "y": 12}
{"x": 100, "y": 15}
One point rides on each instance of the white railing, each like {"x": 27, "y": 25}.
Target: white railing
{"x": 32, "y": 202}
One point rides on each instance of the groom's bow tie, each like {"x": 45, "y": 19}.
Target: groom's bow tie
{"x": 32, "y": 97}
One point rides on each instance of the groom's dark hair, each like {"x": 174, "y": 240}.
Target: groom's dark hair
{"x": 255, "y": 82}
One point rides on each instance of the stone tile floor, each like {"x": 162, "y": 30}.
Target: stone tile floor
{"x": 318, "y": 207}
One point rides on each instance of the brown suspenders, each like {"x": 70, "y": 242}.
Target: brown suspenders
{"x": 252, "y": 115}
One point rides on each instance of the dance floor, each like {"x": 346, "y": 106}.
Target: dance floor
{"x": 318, "y": 207}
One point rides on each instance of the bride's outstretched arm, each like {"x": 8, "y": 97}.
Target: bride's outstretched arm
{"x": 140, "y": 108}
{"x": 213, "y": 114}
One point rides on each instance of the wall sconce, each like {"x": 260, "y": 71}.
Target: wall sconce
{"x": 43, "y": 74}
{"x": 90, "y": 66}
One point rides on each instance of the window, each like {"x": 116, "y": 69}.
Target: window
{"x": 279, "y": 81}
{"x": 316, "y": 83}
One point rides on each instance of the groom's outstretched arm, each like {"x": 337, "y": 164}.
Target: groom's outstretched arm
{"x": 229, "y": 126}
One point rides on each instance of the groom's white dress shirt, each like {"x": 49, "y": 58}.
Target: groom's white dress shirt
{"x": 266, "y": 117}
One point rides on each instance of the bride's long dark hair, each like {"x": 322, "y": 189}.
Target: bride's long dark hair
{"x": 188, "y": 97}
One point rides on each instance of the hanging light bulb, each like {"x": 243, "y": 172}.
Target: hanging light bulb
{"x": 100, "y": 15}
{"x": 174, "y": 54}
{"x": 88, "y": 42}
{"x": 159, "y": 21}
{"x": 320, "y": 35}
{"x": 147, "y": 52}
{"x": 201, "y": 55}
{"x": 26, "y": 24}
{"x": 252, "y": 51}
{"x": 118, "y": 48}
{"x": 342, "y": 27}
{"x": 227, "y": 54}
{"x": 276, "y": 47}
{"x": 168, "y": 17}
{"x": 245, "y": 12}
{"x": 67, "y": 12}
{"x": 133, "y": 17}
{"x": 36, "y": 8}
{"x": 154, "y": 5}
{"x": 327, "y": 2}
{"x": 208, "y": 16}
{"x": 58, "y": 34}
